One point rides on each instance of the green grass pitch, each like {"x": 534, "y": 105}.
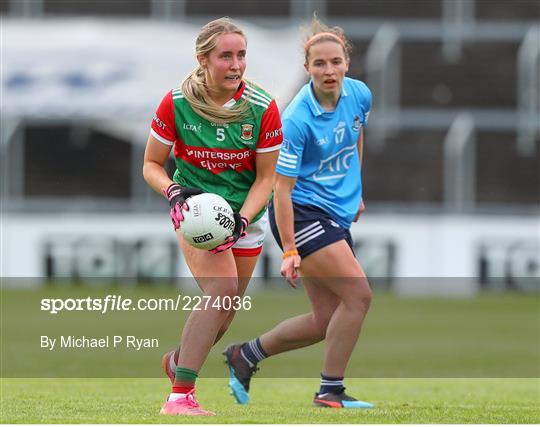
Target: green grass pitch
{"x": 418, "y": 360}
{"x": 273, "y": 401}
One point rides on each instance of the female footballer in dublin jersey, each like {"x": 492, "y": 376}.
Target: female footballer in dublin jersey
{"x": 226, "y": 134}
{"x": 318, "y": 194}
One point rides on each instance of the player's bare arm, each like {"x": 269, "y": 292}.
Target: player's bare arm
{"x": 155, "y": 157}
{"x": 285, "y": 220}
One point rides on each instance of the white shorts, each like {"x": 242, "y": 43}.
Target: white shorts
{"x": 251, "y": 245}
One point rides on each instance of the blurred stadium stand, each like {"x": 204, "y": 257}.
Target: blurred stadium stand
{"x": 455, "y": 126}
{"x": 431, "y": 61}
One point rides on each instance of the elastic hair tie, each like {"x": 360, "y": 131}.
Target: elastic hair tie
{"x": 312, "y": 39}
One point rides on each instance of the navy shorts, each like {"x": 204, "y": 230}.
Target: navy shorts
{"x": 313, "y": 229}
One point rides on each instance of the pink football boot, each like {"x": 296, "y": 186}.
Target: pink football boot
{"x": 187, "y": 405}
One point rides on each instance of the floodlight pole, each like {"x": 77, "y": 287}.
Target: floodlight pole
{"x": 458, "y": 21}
{"x": 528, "y": 92}
{"x": 460, "y": 164}
{"x": 383, "y": 69}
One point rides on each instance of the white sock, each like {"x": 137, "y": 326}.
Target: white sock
{"x": 176, "y": 396}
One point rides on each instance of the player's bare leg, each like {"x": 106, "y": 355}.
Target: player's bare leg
{"x": 340, "y": 298}
{"x": 338, "y": 271}
{"x": 244, "y": 266}
{"x": 202, "y": 326}
{"x": 293, "y": 333}
{"x": 305, "y": 329}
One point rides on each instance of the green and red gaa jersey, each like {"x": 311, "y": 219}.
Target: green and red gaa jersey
{"x": 219, "y": 158}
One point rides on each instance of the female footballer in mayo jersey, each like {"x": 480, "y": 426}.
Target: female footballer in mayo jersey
{"x": 226, "y": 134}
{"x": 318, "y": 193}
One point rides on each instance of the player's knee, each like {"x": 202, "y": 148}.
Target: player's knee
{"x": 364, "y": 299}
{"x": 320, "y": 325}
{"x": 222, "y": 297}
{"x": 360, "y": 299}
{"x": 226, "y": 289}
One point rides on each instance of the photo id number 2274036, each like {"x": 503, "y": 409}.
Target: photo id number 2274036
{"x": 206, "y": 302}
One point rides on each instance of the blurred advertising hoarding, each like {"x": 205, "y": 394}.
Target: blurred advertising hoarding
{"x": 395, "y": 251}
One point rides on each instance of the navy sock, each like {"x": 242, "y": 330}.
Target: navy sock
{"x": 331, "y": 384}
{"x": 253, "y": 352}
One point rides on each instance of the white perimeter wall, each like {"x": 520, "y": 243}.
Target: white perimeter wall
{"x": 435, "y": 246}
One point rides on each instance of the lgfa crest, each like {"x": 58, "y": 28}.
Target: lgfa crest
{"x": 247, "y": 132}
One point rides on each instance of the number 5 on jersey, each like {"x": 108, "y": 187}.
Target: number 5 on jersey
{"x": 220, "y": 134}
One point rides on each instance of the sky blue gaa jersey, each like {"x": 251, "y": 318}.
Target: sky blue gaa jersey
{"x": 320, "y": 150}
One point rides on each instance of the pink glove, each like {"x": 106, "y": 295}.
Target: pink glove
{"x": 177, "y": 195}
{"x": 240, "y": 225}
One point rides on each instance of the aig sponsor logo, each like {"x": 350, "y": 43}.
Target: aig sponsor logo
{"x": 335, "y": 166}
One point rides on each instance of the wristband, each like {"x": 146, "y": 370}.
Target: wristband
{"x": 290, "y": 253}
{"x": 165, "y": 191}
{"x": 245, "y": 221}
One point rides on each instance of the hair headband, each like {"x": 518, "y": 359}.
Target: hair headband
{"x": 313, "y": 38}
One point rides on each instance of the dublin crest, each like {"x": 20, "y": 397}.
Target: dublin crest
{"x": 357, "y": 124}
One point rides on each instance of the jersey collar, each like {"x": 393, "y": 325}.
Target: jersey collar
{"x": 236, "y": 96}
{"x": 314, "y": 105}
